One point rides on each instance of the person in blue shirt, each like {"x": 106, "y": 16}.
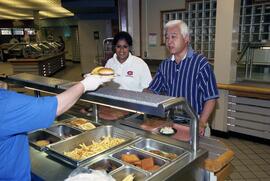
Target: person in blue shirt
{"x": 22, "y": 113}
{"x": 186, "y": 73}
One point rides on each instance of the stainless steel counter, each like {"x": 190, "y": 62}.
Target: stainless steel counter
{"x": 47, "y": 167}
{"x": 184, "y": 167}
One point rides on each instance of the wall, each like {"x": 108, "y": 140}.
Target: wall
{"x": 60, "y": 27}
{"x": 90, "y": 49}
{"x": 58, "y": 22}
{"x": 225, "y": 46}
{"x": 13, "y": 24}
{"x": 134, "y": 24}
{"x": 151, "y": 24}
{"x": 227, "y": 25}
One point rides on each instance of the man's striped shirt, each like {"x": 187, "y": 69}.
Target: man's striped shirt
{"x": 192, "y": 79}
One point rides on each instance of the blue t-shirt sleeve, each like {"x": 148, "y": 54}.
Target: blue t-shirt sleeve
{"x": 157, "y": 84}
{"x": 208, "y": 83}
{"x": 23, "y": 113}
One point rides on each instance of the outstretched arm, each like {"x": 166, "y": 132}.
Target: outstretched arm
{"x": 68, "y": 98}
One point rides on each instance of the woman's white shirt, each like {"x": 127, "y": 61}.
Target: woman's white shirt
{"x": 133, "y": 74}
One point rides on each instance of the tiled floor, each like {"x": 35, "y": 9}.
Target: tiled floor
{"x": 251, "y": 161}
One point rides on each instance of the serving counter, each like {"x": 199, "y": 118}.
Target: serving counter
{"x": 188, "y": 165}
{"x": 185, "y": 166}
{"x": 45, "y": 65}
{"x": 248, "y": 105}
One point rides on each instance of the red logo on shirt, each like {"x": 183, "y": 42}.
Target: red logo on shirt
{"x": 130, "y": 73}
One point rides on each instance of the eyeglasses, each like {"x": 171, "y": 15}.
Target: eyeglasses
{"x": 122, "y": 46}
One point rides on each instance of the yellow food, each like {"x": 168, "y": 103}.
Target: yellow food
{"x": 130, "y": 177}
{"x": 96, "y": 70}
{"x": 42, "y": 143}
{"x": 78, "y": 122}
{"x": 86, "y": 151}
{"x": 145, "y": 163}
{"x": 103, "y": 71}
{"x": 106, "y": 72}
{"x": 129, "y": 158}
{"x": 87, "y": 126}
{"x": 164, "y": 154}
{"x": 82, "y": 124}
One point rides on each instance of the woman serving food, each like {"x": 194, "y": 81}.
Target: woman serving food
{"x": 129, "y": 72}
{"x": 132, "y": 72}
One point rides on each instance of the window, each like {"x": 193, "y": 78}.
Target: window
{"x": 6, "y": 31}
{"x": 30, "y": 31}
{"x": 18, "y": 31}
{"x": 254, "y": 22}
{"x": 200, "y": 18}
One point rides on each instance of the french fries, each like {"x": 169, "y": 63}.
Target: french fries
{"x": 86, "y": 151}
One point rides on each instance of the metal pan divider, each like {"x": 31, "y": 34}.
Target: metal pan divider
{"x": 184, "y": 152}
{"x": 96, "y": 160}
{"x": 124, "y": 164}
{"x": 152, "y": 154}
{"x": 67, "y": 125}
{"x": 146, "y": 173}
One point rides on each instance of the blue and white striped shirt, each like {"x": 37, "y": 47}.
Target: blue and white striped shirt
{"x": 192, "y": 79}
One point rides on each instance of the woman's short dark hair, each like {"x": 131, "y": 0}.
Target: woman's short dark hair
{"x": 122, "y": 36}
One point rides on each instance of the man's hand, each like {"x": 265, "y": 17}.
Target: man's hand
{"x": 147, "y": 90}
{"x": 202, "y": 126}
{"x": 92, "y": 82}
{"x": 207, "y": 110}
{"x": 3, "y": 85}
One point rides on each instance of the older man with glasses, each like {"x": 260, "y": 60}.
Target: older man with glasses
{"x": 186, "y": 73}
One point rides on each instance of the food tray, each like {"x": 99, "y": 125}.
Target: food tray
{"x": 151, "y": 144}
{"x": 57, "y": 150}
{"x": 157, "y": 160}
{"x": 42, "y": 135}
{"x": 138, "y": 174}
{"x": 67, "y": 121}
{"x": 107, "y": 164}
{"x": 64, "y": 131}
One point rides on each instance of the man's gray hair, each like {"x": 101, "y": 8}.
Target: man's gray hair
{"x": 181, "y": 25}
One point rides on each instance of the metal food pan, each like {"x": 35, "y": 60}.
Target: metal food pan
{"x": 151, "y": 144}
{"x": 142, "y": 155}
{"x": 138, "y": 174}
{"x": 63, "y": 117}
{"x": 64, "y": 131}
{"x": 57, "y": 150}
{"x": 42, "y": 135}
{"x": 107, "y": 164}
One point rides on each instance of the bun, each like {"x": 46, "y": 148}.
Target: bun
{"x": 102, "y": 71}
{"x": 105, "y": 71}
{"x": 42, "y": 143}
{"x": 95, "y": 70}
